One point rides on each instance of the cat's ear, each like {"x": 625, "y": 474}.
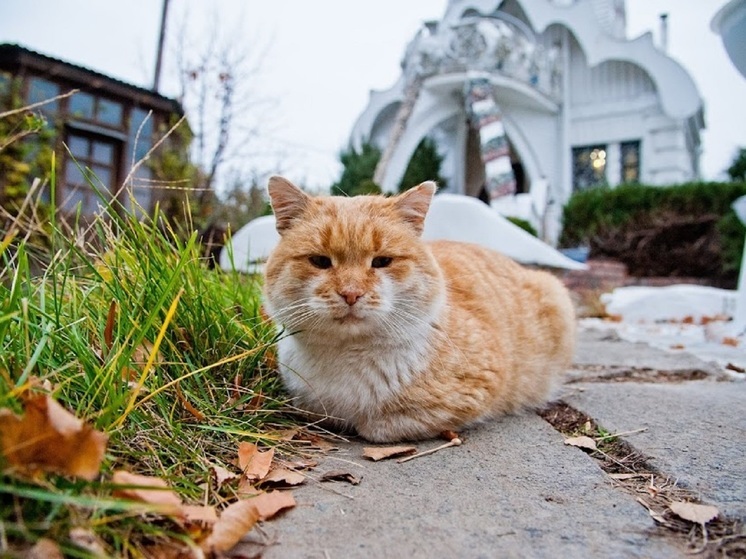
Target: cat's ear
{"x": 414, "y": 203}
{"x": 288, "y": 202}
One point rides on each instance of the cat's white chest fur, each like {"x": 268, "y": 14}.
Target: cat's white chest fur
{"x": 349, "y": 379}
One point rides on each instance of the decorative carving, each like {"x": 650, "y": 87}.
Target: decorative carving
{"x": 496, "y": 44}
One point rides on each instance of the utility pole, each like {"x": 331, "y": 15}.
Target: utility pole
{"x": 161, "y": 41}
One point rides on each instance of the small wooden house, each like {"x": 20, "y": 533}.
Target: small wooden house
{"x": 100, "y": 132}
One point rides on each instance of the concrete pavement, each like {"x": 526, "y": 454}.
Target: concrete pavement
{"x": 513, "y": 489}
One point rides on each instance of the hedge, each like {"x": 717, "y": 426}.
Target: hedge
{"x": 592, "y": 217}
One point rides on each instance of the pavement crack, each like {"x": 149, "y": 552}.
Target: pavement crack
{"x": 632, "y": 472}
{"x": 605, "y": 373}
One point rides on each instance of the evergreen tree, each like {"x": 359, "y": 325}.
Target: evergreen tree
{"x": 737, "y": 170}
{"x": 423, "y": 166}
{"x": 359, "y": 167}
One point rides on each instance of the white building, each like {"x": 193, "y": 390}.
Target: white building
{"x": 580, "y": 104}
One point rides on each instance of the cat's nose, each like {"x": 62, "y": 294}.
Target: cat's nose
{"x": 351, "y": 295}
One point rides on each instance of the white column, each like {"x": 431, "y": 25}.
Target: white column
{"x": 613, "y": 164}
{"x": 565, "y": 188}
{"x": 739, "y": 318}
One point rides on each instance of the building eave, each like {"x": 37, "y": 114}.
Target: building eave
{"x": 16, "y": 57}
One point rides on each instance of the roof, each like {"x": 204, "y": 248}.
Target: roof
{"x": 15, "y": 57}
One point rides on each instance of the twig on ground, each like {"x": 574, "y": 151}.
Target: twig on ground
{"x": 453, "y": 442}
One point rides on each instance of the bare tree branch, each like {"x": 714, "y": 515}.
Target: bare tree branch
{"x": 217, "y": 76}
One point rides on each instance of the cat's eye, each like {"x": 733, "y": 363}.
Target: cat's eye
{"x": 320, "y": 262}
{"x": 381, "y": 261}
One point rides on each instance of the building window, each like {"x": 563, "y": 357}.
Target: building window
{"x": 140, "y": 134}
{"x": 88, "y": 107}
{"x": 5, "y": 80}
{"x": 93, "y": 163}
{"x": 140, "y": 140}
{"x": 40, "y": 90}
{"x": 81, "y": 105}
{"x": 630, "y": 155}
{"x": 588, "y": 167}
{"x": 109, "y": 112}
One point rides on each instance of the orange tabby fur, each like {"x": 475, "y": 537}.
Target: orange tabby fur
{"x": 442, "y": 336}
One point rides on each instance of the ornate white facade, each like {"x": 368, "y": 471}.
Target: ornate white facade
{"x": 581, "y": 105}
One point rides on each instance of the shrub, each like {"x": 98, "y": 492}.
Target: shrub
{"x": 688, "y": 229}
{"x": 523, "y": 224}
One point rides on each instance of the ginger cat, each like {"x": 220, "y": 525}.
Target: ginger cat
{"x": 398, "y": 338}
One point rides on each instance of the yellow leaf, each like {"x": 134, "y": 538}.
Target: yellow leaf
{"x": 49, "y": 438}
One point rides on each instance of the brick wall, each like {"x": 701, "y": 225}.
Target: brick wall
{"x": 606, "y": 275}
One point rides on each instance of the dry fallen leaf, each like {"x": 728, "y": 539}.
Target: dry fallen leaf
{"x": 45, "y": 549}
{"x": 200, "y": 514}
{"x": 168, "y": 550}
{"x": 254, "y": 464}
{"x": 89, "y": 541}
{"x": 700, "y": 514}
{"x": 234, "y": 522}
{"x": 220, "y": 476}
{"x": 246, "y": 488}
{"x": 198, "y": 415}
{"x": 269, "y": 504}
{"x": 337, "y": 475}
{"x": 281, "y": 476}
{"x": 316, "y": 441}
{"x": 237, "y": 519}
{"x": 141, "y": 354}
{"x": 582, "y": 442}
{"x": 147, "y": 489}
{"x": 109, "y": 328}
{"x": 301, "y": 464}
{"x": 285, "y": 434}
{"x": 49, "y": 438}
{"x": 377, "y": 453}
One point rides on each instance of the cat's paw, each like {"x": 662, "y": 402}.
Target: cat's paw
{"x": 391, "y": 430}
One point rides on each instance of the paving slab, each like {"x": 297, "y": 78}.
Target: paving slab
{"x": 695, "y": 431}
{"x": 513, "y": 489}
{"x": 606, "y": 349}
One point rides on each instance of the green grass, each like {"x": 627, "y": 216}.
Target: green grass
{"x": 86, "y": 324}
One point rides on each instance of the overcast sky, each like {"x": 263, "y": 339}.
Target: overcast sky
{"x": 324, "y": 56}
